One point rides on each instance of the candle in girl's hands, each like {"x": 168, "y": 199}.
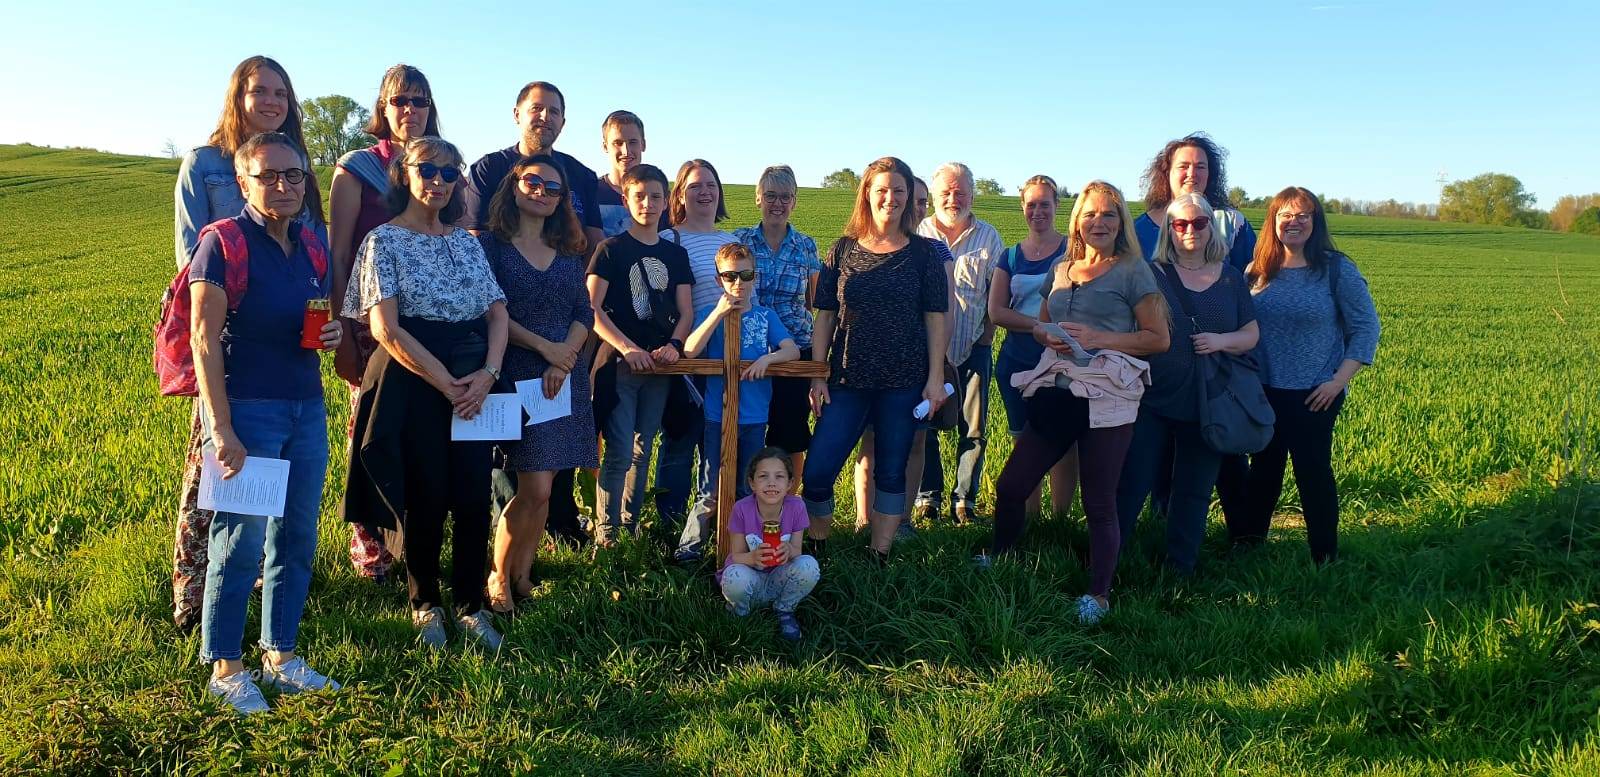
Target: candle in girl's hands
{"x": 771, "y": 535}
{"x": 318, "y": 314}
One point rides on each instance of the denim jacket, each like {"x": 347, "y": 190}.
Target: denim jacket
{"x": 207, "y": 191}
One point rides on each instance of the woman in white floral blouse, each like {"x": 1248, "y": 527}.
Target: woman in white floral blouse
{"x": 427, "y": 291}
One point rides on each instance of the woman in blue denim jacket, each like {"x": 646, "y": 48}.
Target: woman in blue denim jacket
{"x": 260, "y": 99}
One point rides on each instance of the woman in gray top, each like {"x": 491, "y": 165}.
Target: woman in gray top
{"x": 1318, "y": 329}
{"x": 1104, "y": 295}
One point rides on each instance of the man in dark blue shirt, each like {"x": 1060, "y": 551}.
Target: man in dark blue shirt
{"x": 541, "y": 112}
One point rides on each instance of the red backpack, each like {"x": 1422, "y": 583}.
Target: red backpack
{"x": 173, "y": 358}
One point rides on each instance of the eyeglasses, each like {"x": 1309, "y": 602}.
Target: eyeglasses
{"x": 777, "y": 199}
{"x": 737, "y": 275}
{"x": 1196, "y": 224}
{"x": 1287, "y": 216}
{"x": 293, "y": 175}
{"x": 429, "y": 170}
{"x": 537, "y": 185}
{"x": 400, "y": 101}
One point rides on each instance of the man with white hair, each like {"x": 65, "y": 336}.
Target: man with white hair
{"x": 977, "y": 247}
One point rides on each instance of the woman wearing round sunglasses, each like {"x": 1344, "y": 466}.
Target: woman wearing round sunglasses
{"x": 537, "y": 249}
{"x": 404, "y": 111}
{"x": 426, "y": 289}
{"x": 1189, "y": 251}
{"x": 260, "y": 99}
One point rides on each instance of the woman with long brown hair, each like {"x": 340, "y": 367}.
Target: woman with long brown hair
{"x": 404, "y": 110}
{"x": 881, "y": 301}
{"x": 1319, "y": 328}
{"x": 1102, "y": 297}
{"x": 536, "y": 247}
{"x": 259, "y": 99}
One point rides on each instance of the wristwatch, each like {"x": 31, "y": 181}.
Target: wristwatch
{"x": 494, "y": 372}
{"x": 676, "y": 344}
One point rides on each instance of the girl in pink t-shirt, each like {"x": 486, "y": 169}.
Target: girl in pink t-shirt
{"x": 769, "y": 524}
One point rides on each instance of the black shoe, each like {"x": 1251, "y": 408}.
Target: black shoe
{"x": 879, "y": 557}
{"x": 927, "y": 513}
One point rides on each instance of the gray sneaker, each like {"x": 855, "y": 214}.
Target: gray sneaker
{"x": 1091, "y": 611}
{"x": 296, "y": 677}
{"x": 477, "y": 628}
{"x": 430, "y": 623}
{"x": 240, "y": 692}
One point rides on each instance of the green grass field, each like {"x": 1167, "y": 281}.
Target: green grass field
{"x": 1458, "y": 635}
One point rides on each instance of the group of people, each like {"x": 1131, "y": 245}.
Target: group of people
{"x": 451, "y": 282}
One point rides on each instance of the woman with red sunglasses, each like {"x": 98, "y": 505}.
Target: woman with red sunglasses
{"x": 1190, "y": 251}
{"x": 404, "y": 111}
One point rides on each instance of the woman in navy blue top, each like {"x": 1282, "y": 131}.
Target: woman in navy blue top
{"x": 1015, "y": 294}
{"x": 1194, "y": 164}
{"x": 1166, "y": 438}
{"x": 262, "y": 396}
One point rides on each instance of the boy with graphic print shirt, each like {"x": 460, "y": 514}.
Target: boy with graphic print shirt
{"x": 639, "y": 286}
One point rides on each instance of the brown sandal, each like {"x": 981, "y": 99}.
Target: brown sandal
{"x": 499, "y": 598}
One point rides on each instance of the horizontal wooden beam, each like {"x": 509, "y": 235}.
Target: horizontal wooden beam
{"x": 795, "y": 369}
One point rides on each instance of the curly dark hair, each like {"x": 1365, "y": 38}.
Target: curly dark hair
{"x": 1157, "y": 180}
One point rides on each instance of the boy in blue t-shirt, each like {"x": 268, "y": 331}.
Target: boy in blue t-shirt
{"x": 763, "y": 341}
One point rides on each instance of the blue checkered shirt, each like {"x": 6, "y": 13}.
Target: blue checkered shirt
{"x": 782, "y": 277}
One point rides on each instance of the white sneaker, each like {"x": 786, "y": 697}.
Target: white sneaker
{"x": 477, "y": 628}
{"x": 1091, "y": 611}
{"x": 430, "y": 623}
{"x": 240, "y": 692}
{"x": 296, "y": 677}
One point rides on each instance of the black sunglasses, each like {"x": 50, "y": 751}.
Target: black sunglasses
{"x": 445, "y": 173}
{"x": 400, "y": 101}
{"x": 541, "y": 186}
{"x": 737, "y": 275}
{"x": 293, "y": 175}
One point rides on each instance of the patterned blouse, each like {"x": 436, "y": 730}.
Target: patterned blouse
{"x": 440, "y": 278}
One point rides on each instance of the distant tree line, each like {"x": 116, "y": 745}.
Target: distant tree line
{"x": 1491, "y": 198}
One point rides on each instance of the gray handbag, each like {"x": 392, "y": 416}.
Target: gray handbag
{"x": 1235, "y": 417}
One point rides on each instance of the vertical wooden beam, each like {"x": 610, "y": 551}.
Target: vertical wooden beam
{"x": 728, "y": 477}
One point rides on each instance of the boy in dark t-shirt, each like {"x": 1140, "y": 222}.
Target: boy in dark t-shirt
{"x": 639, "y": 286}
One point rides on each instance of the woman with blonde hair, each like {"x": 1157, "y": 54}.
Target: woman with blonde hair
{"x": 1191, "y": 256}
{"x": 259, "y": 99}
{"x": 1102, "y": 297}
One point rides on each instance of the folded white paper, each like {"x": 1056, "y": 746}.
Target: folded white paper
{"x": 496, "y": 421}
{"x": 260, "y": 487}
{"x": 541, "y": 409}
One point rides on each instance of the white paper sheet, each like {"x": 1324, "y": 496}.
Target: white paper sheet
{"x": 541, "y": 409}
{"x": 259, "y": 488}
{"x": 497, "y": 421}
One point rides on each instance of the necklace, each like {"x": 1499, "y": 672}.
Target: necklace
{"x": 1200, "y": 266}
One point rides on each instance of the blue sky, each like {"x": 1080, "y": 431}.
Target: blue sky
{"x": 1354, "y": 99}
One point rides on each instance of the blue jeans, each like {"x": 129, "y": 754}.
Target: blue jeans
{"x": 839, "y": 429}
{"x": 675, "y": 470}
{"x": 1016, "y": 405}
{"x": 783, "y": 587}
{"x": 697, "y": 528}
{"x": 1193, "y": 471}
{"x": 630, "y": 436}
{"x": 974, "y": 374}
{"x": 295, "y": 430}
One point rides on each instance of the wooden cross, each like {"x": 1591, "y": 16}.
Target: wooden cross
{"x": 730, "y": 367}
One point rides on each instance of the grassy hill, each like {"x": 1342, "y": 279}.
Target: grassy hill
{"x": 1457, "y": 635}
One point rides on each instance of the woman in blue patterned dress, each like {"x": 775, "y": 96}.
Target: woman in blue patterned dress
{"x": 536, "y": 247}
